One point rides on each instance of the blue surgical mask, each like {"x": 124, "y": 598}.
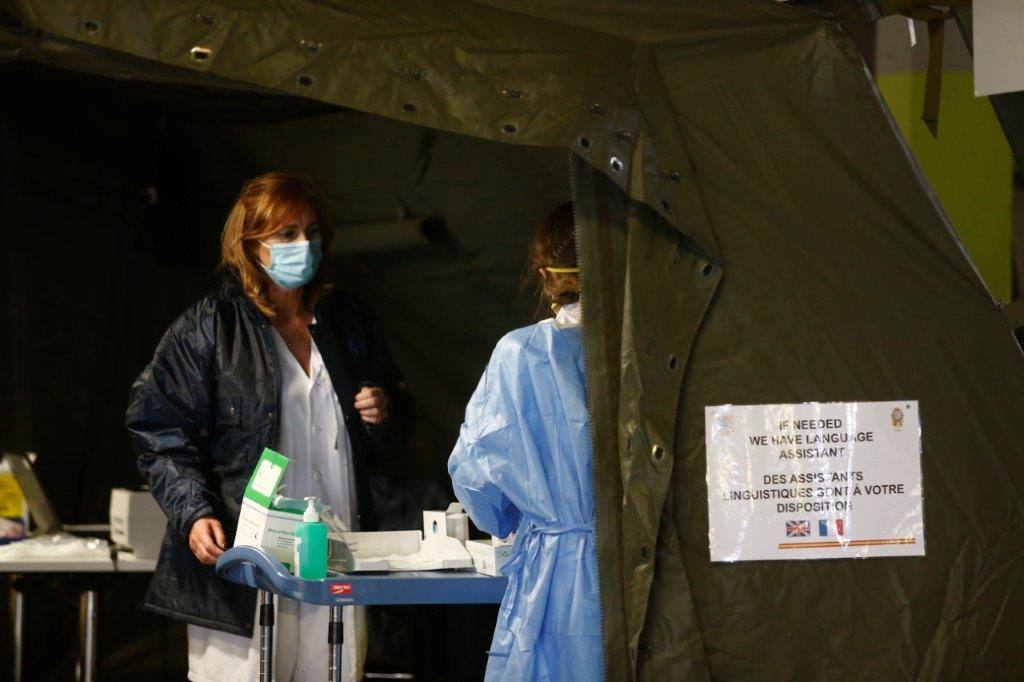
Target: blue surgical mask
{"x": 293, "y": 264}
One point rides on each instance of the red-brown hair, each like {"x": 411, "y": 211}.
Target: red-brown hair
{"x": 265, "y": 203}
{"x": 554, "y": 246}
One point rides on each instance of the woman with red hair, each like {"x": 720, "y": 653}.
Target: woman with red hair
{"x": 277, "y": 358}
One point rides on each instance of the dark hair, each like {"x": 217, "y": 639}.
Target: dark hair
{"x": 554, "y": 245}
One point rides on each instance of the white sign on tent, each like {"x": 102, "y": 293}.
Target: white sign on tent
{"x": 814, "y": 481}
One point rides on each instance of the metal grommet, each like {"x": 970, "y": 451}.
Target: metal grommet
{"x": 201, "y": 54}
{"x": 707, "y": 270}
{"x": 270, "y": 414}
{"x": 409, "y": 107}
{"x": 91, "y": 26}
{"x": 594, "y": 108}
{"x": 311, "y": 45}
{"x": 514, "y": 93}
{"x": 584, "y": 142}
{"x": 657, "y": 452}
{"x": 615, "y": 164}
{"x": 231, "y": 410}
{"x": 304, "y": 80}
{"x": 674, "y": 176}
{"x": 509, "y": 128}
{"x": 673, "y": 362}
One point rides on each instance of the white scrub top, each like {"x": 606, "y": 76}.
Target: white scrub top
{"x": 313, "y": 436}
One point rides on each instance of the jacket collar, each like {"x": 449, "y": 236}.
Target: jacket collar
{"x": 231, "y": 288}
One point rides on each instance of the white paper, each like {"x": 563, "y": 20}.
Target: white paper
{"x": 998, "y": 48}
{"x": 814, "y": 481}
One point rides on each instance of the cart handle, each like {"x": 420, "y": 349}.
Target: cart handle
{"x": 254, "y": 567}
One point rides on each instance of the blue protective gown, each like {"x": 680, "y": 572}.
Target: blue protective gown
{"x": 523, "y": 463}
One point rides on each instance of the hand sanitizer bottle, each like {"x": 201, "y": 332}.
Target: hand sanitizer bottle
{"x": 310, "y": 554}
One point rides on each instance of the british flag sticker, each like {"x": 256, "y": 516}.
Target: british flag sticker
{"x": 797, "y": 529}
{"x": 341, "y": 588}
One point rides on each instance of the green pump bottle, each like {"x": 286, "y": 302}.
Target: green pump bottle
{"x": 310, "y": 553}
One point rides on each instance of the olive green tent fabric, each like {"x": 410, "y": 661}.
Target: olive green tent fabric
{"x": 752, "y": 230}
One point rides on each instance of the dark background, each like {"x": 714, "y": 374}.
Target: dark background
{"x": 113, "y": 196}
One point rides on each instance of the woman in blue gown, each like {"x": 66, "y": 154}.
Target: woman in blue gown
{"x": 523, "y": 463}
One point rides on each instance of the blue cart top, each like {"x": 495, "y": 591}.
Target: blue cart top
{"x": 254, "y": 567}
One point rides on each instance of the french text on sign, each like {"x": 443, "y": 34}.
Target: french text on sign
{"x": 814, "y": 481}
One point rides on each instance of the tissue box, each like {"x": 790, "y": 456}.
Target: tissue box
{"x": 488, "y": 556}
{"x": 260, "y": 523}
{"x": 136, "y": 522}
{"x": 452, "y": 523}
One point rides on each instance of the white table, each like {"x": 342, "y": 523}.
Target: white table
{"x": 115, "y": 562}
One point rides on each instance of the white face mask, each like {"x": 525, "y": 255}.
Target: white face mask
{"x": 293, "y": 264}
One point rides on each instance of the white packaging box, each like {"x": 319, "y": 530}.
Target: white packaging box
{"x": 136, "y": 522}
{"x": 452, "y": 523}
{"x": 260, "y": 524}
{"x": 488, "y": 558}
{"x": 271, "y": 529}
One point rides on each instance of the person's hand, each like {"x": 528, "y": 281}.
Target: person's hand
{"x": 206, "y": 540}
{"x": 372, "y": 403}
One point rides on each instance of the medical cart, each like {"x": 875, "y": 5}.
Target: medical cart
{"x": 254, "y": 567}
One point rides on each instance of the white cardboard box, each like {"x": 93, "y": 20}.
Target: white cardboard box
{"x": 452, "y": 523}
{"x": 136, "y": 522}
{"x": 271, "y": 529}
{"x": 260, "y": 524}
{"x": 488, "y": 557}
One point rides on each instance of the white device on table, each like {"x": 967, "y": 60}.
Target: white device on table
{"x": 136, "y": 522}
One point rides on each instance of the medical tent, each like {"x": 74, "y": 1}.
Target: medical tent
{"x": 752, "y": 230}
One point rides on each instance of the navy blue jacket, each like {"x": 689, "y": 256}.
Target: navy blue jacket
{"x": 203, "y": 410}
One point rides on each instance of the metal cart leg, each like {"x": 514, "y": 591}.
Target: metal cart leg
{"x": 87, "y": 631}
{"x": 266, "y": 636}
{"x": 335, "y": 638}
{"x": 17, "y": 627}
